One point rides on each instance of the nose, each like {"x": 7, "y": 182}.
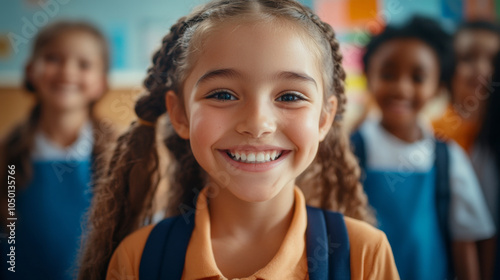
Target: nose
{"x": 403, "y": 87}
{"x": 68, "y": 70}
{"x": 257, "y": 119}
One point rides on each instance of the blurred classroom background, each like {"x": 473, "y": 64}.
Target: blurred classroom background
{"x": 134, "y": 30}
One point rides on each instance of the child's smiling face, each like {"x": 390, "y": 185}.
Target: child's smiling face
{"x": 69, "y": 72}
{"x": 402, "y": 76}
{"x": 253, "y": 108}
{"x": 475, "y": 51}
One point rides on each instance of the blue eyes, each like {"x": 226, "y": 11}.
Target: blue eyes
{"x": 290, "y": 97}
{"x": 224, "y": 95}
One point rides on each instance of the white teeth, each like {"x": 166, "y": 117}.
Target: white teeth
{"x": 259, "y": 157}
{"x": 268, "y": 157}
{"x": 251, "y": 157}
{"x": 273, "y": 155}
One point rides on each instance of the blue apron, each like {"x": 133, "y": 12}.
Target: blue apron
{"x": 405, "y": 206}
{"x": 49, "y": 222}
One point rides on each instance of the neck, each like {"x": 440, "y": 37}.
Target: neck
{"x": 232, "y": 218}
{"x": 246, "y": 236}
{"x": 63, "y": 127}
{"x": 407, "y": 133}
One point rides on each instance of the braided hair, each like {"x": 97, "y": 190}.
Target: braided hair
{"x": 123, "y": 199}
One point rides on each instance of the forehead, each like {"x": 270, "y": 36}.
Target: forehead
{"x": 477, "y": 39}
{"x": 75, "y": 42}
{"x": 256, "y": 50}
{"x": 404, "y": 53}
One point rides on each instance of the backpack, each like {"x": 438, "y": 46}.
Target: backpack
{"x": 327, "y": 245}
{"x": 442, "y": 185}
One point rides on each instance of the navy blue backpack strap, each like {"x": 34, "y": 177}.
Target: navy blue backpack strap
{"x": 359, "y": 149}
{"x": 442, "y": 165}
{"x": 328, "y": 251}
{"x": 165, "y": 250}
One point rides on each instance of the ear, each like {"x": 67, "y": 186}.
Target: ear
{"x": 177, "y": 114}
{"x": 327, "y": 117}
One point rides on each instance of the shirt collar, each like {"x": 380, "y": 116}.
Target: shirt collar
{"x": 81, "y": 149}
{"x": 200, "y": 262}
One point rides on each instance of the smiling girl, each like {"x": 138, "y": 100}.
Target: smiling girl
{"x": 55, "y": 151}
{"x": 424, "y": 191}
{"x": 254, "y": 93}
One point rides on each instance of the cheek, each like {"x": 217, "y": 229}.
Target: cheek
{"x": 42, "y": 72}
{"x": 303, "y": 129}
{"x": 463, "y": 72}
{"x": 376, "y": 86}
{"x": 95, "y": 82}
{"x": 206, "y": 125}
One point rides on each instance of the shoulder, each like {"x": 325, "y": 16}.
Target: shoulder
{"x": 362, "y": 234}
{"x": 135, "y": 242}
{"x": 371, "y": 254}
{"x": 126, "y": 259}
{"x": 469, "y": 216}
{"x": 461, "y": 171}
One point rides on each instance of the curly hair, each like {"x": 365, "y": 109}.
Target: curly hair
{"x": 123, "y": 200}
{"x": 421, "y": 28}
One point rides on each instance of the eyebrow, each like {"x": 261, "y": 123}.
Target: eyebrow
{"x": 289, "y": 75}
{"x": 226, "y": 73}
{"x": 231, "y": 73}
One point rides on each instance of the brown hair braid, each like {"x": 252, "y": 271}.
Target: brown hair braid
{"x": 332, "y": 180}
{"x": 123, "y": 201}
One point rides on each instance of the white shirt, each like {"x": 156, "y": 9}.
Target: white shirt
{"x": 81, "y": 149}
{"x": 469, "y": 216}
{"x": 485, "y": 166}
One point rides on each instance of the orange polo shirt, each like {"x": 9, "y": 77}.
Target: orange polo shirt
{"x": 452, "y": 126}
{"x": 371, "y": 255}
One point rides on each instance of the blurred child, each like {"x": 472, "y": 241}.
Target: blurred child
{"x": 424, "y": 192}
{"x": 54, "y": 153}
{"x": 486, "y": 161}
{"x": 252, "y": 89}
{"x": 475, "y": 44}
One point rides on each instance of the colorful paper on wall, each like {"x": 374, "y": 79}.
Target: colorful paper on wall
{"x": 362, "y": 10}
{"x": 344, "y": 15}
{"x": 333, "y": 12}
{"x": 352, "y": 57}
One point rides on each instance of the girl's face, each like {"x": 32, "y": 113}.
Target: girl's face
{"x": 253, "y": 108}
{"x": 69, "y": 73}
{"x": 475, "y": 51}
{"x": 403, "y": 75}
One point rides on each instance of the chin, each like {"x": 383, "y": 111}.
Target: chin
{"x": 255, "y": 194}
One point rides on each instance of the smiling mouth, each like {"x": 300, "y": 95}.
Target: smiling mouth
{"x": 254, "y": 157}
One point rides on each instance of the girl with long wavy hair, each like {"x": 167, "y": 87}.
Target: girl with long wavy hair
{"x": 254, "y": 92}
